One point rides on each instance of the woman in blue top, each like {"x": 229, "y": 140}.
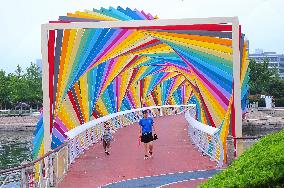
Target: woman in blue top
{"x": 146, "y": 133}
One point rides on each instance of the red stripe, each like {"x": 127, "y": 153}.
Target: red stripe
{"x": 95, "y": 114}
{"x": 134, "y": 72}
{"x": 141, "y": 92}
{"x": 74, "y": 106}
{"x": 207, "y": 27}
{"x": 143, "y": 45}
{"x": 154, "y": 97}
{"x": 59, "y": 22}
{"x": 206, "y": 110}
{"x": 233, "y": 123}
{"x": 51, "y": 41}
{"x": 130, "y": 63}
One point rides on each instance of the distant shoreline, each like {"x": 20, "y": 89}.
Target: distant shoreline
{"x": 18, "y": 123}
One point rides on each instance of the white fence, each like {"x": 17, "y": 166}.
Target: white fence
{"x": 205, "y": 138}
{"x": 51, "y": 168}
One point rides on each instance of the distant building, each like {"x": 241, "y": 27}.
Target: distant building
{"x": 275, "y": 60}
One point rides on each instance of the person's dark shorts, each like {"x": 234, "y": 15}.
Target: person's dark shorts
{"x": 147, "y": 137}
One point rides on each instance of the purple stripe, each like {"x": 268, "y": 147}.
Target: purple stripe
{"x": 58, "y": 135}
{"x": 57, "y": 127}
{"x": 111, "y": 43}
{"x": 140, "y": 14}
{"x": 150, "y": 16}
{"x": 61, "y": 125}
{"x": 145, "y": 15}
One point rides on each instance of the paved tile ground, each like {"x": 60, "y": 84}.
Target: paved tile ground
{"x": 172, "y": 153}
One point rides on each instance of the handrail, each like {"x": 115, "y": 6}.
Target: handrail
{"x": 205, "y": 138}
{"x": 51, "y": 168}
{"x": 29, "y": 164}
{"x": 77, "y": 130}
{"x": 201, "y": 126}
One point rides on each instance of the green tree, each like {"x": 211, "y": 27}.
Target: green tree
{"x": 260, "y": 77}
{"x": 4, "y": 89}
{"x": 33, "y": 84}
{"x": 265, "y": 81}
{"x": 21, "y": 86}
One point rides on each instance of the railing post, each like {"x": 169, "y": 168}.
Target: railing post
{"x": 230, "y": 150}
{"x": 23, "y": 178}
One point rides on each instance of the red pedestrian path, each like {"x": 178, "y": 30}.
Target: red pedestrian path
{"x": 173, "y": 152}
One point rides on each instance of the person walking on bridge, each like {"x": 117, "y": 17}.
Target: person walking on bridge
{"x": 107, "y": 137}
{"x": 146, "y": 132}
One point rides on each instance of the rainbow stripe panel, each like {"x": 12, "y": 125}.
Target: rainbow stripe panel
{"x": 95, "y": 72}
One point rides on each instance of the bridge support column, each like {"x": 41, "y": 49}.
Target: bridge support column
{"x": 237, "y": 132}
{"x": 45, "y": 89}
{"x": 237, "y": 109}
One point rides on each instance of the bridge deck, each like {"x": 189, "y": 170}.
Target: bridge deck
{"x": 173, "y": 153}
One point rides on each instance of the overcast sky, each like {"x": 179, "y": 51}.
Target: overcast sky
{"x": 262, "y": 21}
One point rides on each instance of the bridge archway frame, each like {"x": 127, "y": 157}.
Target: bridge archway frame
{"x": 140, "y": 23}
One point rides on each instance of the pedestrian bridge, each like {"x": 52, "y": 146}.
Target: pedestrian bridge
{"x": 109, "y": 64}
{"x": 186, "y": 153}
{"x": 176, "y": 159}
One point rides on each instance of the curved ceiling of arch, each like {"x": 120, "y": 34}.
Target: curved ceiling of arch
{"x": 96, "y": 72}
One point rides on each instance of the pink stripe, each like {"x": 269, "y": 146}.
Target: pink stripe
{"x": 130, "y": 97}
{"x": 214, "y": 94}
{"x": 119, "y": 82}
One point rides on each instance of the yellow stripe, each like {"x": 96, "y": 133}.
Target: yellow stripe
{"x": 84, "y": 96}
{"x": 175, "y": 39}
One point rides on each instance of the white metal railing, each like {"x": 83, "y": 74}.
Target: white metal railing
{"x": 205, "y": 138}
{"x": 81, "y": 137}
{"x": 50, "y": 169}
{"x": 46, "y": 171}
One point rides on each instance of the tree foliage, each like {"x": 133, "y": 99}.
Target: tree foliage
{"x": 20, "y": 86}
{"x": 260, "y": 77}
{"x": 265, "y": 81}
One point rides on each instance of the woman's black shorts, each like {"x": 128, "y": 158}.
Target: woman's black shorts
{"x": 147, "y": 137}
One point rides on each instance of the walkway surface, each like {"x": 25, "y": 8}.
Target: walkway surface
{"x": 176, "y": 163}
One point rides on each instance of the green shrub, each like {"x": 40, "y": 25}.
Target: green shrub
{"x": 260, "y": 166}
{"x": 279, "y": 102}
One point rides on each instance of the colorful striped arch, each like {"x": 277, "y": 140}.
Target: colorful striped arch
{"x": 109, "y": 60}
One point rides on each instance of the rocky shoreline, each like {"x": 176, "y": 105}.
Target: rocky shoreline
{"x": 259, "y": 122}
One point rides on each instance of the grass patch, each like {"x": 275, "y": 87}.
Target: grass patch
{"x": 260, "y": 166}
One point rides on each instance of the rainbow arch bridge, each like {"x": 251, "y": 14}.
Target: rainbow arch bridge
{"x": 109, "y": 64}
